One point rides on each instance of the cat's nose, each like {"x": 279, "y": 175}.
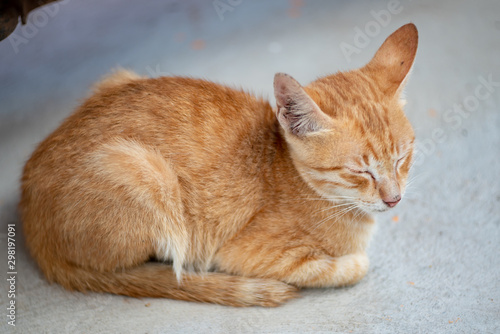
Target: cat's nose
{"x": 393, "y": 201}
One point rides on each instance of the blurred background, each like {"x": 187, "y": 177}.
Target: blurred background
{"x": 435, "y": 262}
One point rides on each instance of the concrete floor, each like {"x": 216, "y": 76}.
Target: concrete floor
{"x": 435, "y": 263}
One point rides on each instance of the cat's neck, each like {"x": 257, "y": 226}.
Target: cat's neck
{"x": 283, "y": 178}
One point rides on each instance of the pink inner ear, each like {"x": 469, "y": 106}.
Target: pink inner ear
{"x": 286, "y": 89}
{"x": 297, "y": 112}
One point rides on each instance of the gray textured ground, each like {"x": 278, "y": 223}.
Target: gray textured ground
{"x": 435, "y": 270}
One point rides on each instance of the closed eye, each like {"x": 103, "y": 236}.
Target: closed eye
{"x": 367, "y": 172}
{"x": 398, "y": 163}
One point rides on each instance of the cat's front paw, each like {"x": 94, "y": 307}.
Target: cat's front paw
{"x": 330, "y": 271}
{"x": 350, "y": 269}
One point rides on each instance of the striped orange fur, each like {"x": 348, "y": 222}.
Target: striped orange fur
{"x": 243, "y": 203}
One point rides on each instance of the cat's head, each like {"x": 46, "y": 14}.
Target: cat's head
{"x": 347, "y": 133}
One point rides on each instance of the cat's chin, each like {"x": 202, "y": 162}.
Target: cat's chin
{"x": 381, "y": 210}
{"x": 371, "y": 211}
{"x": 373, "y": 207}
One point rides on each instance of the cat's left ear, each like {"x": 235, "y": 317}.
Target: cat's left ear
{"x": 296, "y": 111}
{"x": 394, "y": 59}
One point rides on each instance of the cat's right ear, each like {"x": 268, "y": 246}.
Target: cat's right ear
{"x": 296, "y": 111}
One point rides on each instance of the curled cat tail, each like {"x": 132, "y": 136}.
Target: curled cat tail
{"x": 117, "y": 77}
{"x": 159, "y": 281}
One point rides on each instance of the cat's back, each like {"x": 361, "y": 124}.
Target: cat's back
{"x": 148, "y": 109}
{"x": 136, "y": 139}
{"x": 183, "y": 118}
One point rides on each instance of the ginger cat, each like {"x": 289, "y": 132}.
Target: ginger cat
{"x": 244, "y": 203}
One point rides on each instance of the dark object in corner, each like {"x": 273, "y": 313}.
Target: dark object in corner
{"x": 10, "y": 10}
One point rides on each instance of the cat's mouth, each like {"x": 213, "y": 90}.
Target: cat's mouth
{"x": 374, "y": 207}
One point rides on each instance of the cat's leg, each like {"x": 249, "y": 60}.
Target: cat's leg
{"x": 285, "y": 259}
{"x": 146, "y": 191}
{"x": 305, "y": 270}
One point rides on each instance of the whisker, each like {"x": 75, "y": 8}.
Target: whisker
{"x": 343, "y": 213}
{"x": 316, "y": 225}
{"x": 360, "y": 213}
{"x": 327, "y": 198}
{"x": 332, "y": 207}
{"x": 340, "y": 213}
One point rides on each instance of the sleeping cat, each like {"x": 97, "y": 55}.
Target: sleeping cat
{"x": 244, "y": 204}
